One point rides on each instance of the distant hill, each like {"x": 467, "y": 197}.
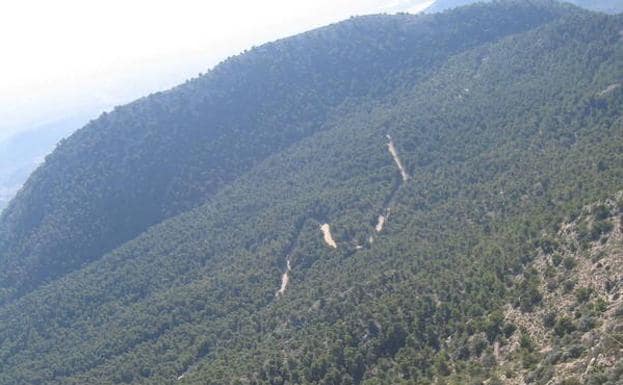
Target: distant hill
{"x": 607, "y": 6}
{"x": 429, "y": 199}
{"x": 22, "y": 153}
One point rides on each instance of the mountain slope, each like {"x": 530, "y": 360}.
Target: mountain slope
{"x": 501, "y": 143}
{"x": 575, "y": 332}
{"x": 172, "y": 151}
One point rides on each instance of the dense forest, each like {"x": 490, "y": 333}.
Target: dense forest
{"x": 179, "y": 239}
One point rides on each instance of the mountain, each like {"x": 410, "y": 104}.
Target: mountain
{"x": 607, "y": 6}
{"x": 170, "y": 152}
{"x": 391, "y": 199}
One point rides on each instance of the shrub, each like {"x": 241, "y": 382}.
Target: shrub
{"x": 564, "y": 326}
{"x": 601, "y": 212}
{"x": 568, "y": 285}
{"x": 600, "y": 305}
{"x": 583, "y": 294}
{"x": 530, "y": 297}
{"x": 587, "y": 323}
{"x": 556, "y": 259}
{"x": 549, "y": 246}
{"x": 600, "y": 228}
{"x": 569, "y": 263}
{"x": 509, "y": 329}
{"x": 526, "y": 342}
{"x": 574, "y": 351}
{"x": 549, "y": 319}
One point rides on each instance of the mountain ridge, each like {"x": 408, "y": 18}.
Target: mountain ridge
{"x": 606, "y": 6}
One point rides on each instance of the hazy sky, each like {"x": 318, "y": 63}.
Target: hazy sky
{"x": 65, "y": 57}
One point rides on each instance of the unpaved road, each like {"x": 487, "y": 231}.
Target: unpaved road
{"x": 284, "y": 280}
{"x": 383, "y": 218}
{"x": 380, "y": 224}
{"x": 394, "y": 153}
{"x": 326, "y": 233}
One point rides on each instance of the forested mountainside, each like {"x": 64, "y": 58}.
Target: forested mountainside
{"x": 417, "y": 235}
{"x": 169, "y": 152}
{"x": 608, "y": 6}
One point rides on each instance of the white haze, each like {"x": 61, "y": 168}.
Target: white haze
{"x": 79, "y": 57}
